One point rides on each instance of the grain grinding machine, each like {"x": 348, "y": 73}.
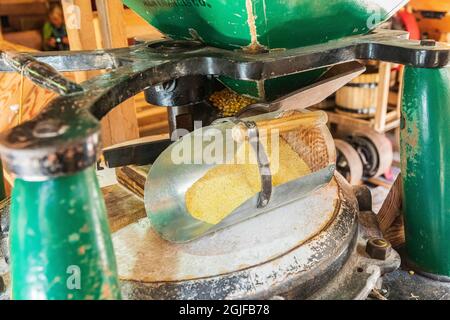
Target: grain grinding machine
{"x": 287, "y": 55}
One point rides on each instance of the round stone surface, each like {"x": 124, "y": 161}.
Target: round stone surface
{"x": 145, "y": 257}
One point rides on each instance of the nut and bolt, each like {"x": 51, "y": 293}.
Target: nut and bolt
{"x": 378, "y": 248}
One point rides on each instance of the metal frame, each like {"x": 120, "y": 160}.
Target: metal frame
{"x": 64, "y": 138}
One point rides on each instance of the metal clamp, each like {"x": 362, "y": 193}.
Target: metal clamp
{"x": 33, "y": 153}
{"x": 261, "y": 158}
{"x": 263, "y": 163}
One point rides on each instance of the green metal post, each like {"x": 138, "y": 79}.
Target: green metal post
{"x": 2, "y": 184}
{"x": 425, "y": 140}
{"x": 60, "y": 240}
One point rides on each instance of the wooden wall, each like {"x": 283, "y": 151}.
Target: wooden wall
{"x": 34, "y": 98}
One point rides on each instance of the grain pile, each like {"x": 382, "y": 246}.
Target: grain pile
{"x": 226, "y": 187}
{"x": 229, "y": 103}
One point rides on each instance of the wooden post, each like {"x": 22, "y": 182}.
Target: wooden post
{"x": 121, "y": 123}
{"x": 383, "y": 96}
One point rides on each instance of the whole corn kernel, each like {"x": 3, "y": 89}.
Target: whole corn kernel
{"x": 229, "y": 103}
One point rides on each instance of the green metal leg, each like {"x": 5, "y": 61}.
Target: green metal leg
{"x": 425, "y": 140}
{"x": 2, "y": 184}
{"x": 60, "y": 240}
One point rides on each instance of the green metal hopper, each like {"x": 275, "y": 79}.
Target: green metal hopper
{"x": 261, "y": 25}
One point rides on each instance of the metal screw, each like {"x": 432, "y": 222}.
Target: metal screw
{"x": 428, "y": 43}
{"x": 378, "y": 248}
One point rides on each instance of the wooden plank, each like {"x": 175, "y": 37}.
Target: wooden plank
{"x": 112, "y": 23}
{"x": 383, "y": 96}
{"x": 343, "y": 120}
{"x": 121, "y": 123}
{"x": 31, "y": 39}
{"x": 136, "y": 26}
{"x": 152, "y": 120}
{"x": 34, "y": 98}
{"x": 123, "y": 207}
{"x": 141, "y": 151}
{"x": 396, "y": 233}
{"x": 392, "y": 206}
{"x": 133, "y": 178}
{"x": 392, "y": 125}
{"x": 22, "y": 7}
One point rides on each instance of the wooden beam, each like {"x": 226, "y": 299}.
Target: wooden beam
{"x": 121, "y": 123}
{"x": 80, "y": 30}
{"x": 133, "y": 178}
{"x": 123, "y": 207}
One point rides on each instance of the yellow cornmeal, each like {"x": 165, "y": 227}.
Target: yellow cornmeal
{"x": 225, "y": 187}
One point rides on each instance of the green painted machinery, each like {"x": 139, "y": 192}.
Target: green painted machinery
{"x": 425, "y": 141}
{"x": 258, "y": 25}
{"x": 60, "y": 240}
{"x": 261, "y": 25}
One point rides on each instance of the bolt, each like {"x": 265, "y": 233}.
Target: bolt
{"x": 428, "y": 43}
{"x": 378, "y": 248}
